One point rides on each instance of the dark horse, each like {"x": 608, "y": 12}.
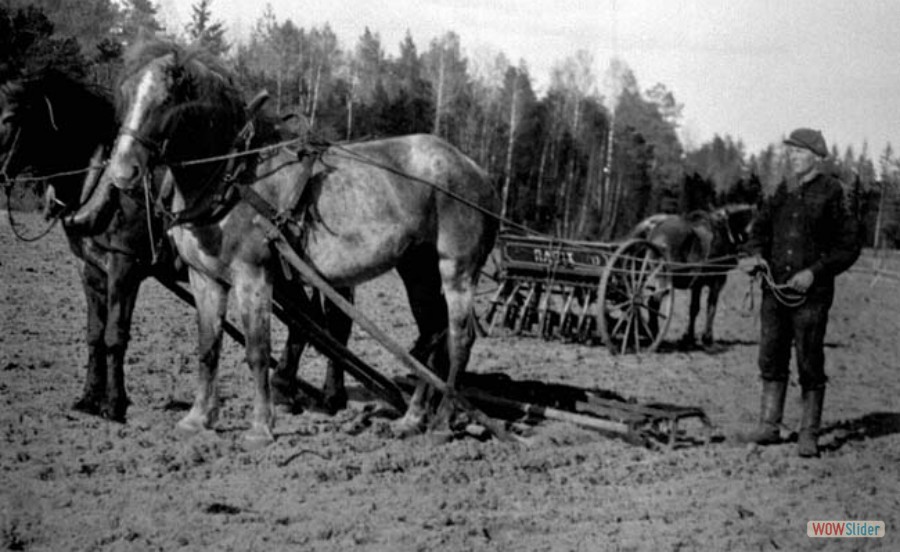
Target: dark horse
{"x": 369, "y": 207}
{"x": 701, "y": 248}
{"x": 51, "y": 123}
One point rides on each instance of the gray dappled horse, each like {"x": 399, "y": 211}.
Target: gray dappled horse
{"x": 365, "y": 210}
{"x": 701, "y": 248}
{"x": 52, "y": 123}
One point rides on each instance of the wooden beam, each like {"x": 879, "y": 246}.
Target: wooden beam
{"x": 313, "y": 278}
{"x": 547, "y": 412}
{"x": 307, "y": 388}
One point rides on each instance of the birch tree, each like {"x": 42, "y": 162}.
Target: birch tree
{"x": 323, "y": 55}
{"x": 574, "y": 81}
{"x": 445, "y": 69}
{"x": 365, "y": 71}
{"x": 888, "y": 180}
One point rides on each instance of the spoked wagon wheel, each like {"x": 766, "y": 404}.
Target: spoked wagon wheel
{"x": 636, "y": 298}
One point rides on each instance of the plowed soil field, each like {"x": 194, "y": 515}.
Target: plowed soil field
{"x": 74, "y": 482}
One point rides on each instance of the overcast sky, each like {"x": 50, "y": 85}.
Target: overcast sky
{"x": 752, "y": 69}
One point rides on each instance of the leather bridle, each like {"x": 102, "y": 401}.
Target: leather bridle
{"x": 156, "y": 149}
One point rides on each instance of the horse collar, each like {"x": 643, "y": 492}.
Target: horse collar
{"x": 203, "y": 213}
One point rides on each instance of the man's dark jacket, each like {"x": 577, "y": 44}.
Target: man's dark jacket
{"x": 810, "y": 228}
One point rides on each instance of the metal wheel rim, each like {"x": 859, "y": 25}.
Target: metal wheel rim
{"x": 637, "y": 266}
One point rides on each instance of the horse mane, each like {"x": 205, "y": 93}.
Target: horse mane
{"x": 644, "y": 228}
{"x": 89, "y": 105}
{"x": 202, "y": 84}
{"x": 699, "y": 216}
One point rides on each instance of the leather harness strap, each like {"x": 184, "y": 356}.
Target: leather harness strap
{"x": 280, "y": 220}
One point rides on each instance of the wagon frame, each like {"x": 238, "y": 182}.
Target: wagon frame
{"x": 620, "y": 294}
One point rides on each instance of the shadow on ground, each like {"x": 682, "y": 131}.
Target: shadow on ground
{"x": 870, "y": 426}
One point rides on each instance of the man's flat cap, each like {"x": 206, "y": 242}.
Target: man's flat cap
{"x": 810, "y": 139}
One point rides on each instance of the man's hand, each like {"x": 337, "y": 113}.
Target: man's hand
{"x": 802, "y": 280}
{"x": 753, "y": 265}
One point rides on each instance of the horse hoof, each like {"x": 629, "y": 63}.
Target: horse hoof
{"x": 113, "y": 413}
{"x": 87, "y": 405}
{"x": 406, "y": 427}
{"x": 283, "y": 393}
{"x": 257, "y": 439}
{"x": 335, "y": 403}
{"x": 288, "y": 408}
{"x": 687, "y": 344}
{"x": 441, "y": 436}
{"x": 190, "y": 425}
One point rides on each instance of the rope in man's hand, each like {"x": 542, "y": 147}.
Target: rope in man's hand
{"x": 785, "y": 294}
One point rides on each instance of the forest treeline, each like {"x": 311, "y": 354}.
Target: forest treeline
{"x": 568, "y": 160}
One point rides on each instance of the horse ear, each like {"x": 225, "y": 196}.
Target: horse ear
{"x": 50, "y": 115}
{"x": 257, "y": 102}
{"x": 296, "y": 124}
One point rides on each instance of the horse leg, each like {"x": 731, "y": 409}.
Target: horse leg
{"x": 284, "y": 379}
{"x": 339, "y": 325}
{"x": 688, "y": 339}
{"x": 712, "y": 301}
{"x": 93, "y": 280}
{"x": 211, "y": 299}
{"x": 419, "y": 271}
{"x": 459, "y": 282}
{"x": 285, "y": 390}
{"x": 253, "y": 291}
{"x": 124, "y": 280}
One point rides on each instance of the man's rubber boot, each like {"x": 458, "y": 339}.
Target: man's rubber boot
{"x": 771, "y": 412}
{"x": 808, "y": 441}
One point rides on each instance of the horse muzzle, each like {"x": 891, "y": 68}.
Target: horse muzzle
{"x": 126, "y": 171}
{"x": 95, "y": 213}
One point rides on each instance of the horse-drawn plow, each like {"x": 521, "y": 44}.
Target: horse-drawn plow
{"x": 646, "y": 424}
{"x": 619, "y": 294}
{"x": 502, "y": 412}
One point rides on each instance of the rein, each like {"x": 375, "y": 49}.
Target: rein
{"x": 155, "y": 148}
{"x": 12, "y": 222}
{"x": 783, "y": 293}
{"x": 223, "y": 188}
{"x": 320, "y": 146}
{"x": 154, "y": 254}
{"x": 8, "y": 184}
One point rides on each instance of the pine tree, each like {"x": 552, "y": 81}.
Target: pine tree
{"x": 204, "y": 31}
{"x": 138, "y": 16}
{"x": 28, "y": 44}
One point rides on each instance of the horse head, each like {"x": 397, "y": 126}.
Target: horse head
{"x": 22, "y": 126}
{"x": 735, "y": 221}
{"x": 51, "y": 124}
{"x": 176, "y": 105}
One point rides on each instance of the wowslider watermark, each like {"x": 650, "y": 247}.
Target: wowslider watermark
{"x": 845, "y": 529}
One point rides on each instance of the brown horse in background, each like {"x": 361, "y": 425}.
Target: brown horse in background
{"x": 369, "y": 207}
{"x": 52, "y": 123}
{"x": 701, "y": 248}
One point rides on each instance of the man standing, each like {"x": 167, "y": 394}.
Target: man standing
{"x": 805, "y": 237}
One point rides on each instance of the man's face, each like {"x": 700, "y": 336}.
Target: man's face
{"x": 801, "y": 160}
